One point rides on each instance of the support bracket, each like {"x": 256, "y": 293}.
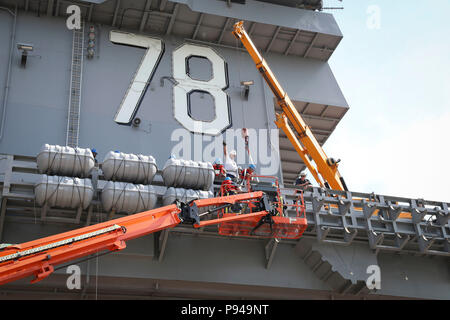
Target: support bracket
{"x": 270, "y": 250}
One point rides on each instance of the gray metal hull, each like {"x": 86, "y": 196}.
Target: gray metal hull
{"x": 184, "y": 263}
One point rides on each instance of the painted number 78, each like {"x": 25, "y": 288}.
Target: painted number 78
{"x": 184, "y": 86}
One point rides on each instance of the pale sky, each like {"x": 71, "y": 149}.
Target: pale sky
{"x": 395, "y": 139}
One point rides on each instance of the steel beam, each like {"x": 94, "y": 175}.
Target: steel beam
{"x": 330, "y": 119}
{"x": 292, "y": 42}
{"x": 57, "y": 8}
{"x": 162, "y": 5}
{"x": 323, "y": 111}
{"x": 252, "y": 28}
{"x": 50, "y": 4}
{"x": 293, "y": 173}
{"x": 215, "y": 44}
{"x": 197, "y": 27}
{"x": 287, "y": 162}
{"x": 7, "y": 175}
{"x": 222, "y": 33}
{"x": 91, "y": 9}
{"x": 313, "y": 117}
{"x": 172, "y": 19}
{"x": 304, "y": 108}
{"x": 273, "y": 38}
{"x": 116, "y": 12}
{"x": 315, "y": 131}
{"x": 163, "y": 237}
{"x": 89, "y": 215}
{"x": 270, "y": 250}
{"x": 311, "y": 45}
{"x": 145, "y": 15}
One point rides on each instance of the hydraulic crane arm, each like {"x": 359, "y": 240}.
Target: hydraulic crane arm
{"x": 39, "y": 257}
{"x": 303, "y": 139}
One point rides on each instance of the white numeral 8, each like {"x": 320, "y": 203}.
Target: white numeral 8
{"x": 186, "y": 85}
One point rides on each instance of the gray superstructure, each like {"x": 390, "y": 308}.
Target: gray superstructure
{"x": 59, "y": 98}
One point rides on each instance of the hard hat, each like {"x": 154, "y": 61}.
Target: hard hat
{"x": 218, "y": 161}
{"x": 233, "y": 152}
{"x": 93, "y": 150}
{"x": 303, "y": 174}
{"x": 252, "y": 166}
{"x": 116, "y": 151}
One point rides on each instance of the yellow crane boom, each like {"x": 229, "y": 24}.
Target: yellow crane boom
{"x": 302, "y": 138}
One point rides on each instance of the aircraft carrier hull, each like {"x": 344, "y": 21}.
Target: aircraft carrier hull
{"x": 176, "y": 68}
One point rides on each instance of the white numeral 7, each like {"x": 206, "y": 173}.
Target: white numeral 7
{"x": 136, "y": 91}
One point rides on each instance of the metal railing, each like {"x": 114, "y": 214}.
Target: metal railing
{"x": 340, "y": 217}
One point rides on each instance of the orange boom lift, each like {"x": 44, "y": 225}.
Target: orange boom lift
{"x": 39, "y": 257}
{"x": 301, "y": 135}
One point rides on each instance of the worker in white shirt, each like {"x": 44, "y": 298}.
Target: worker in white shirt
{"x": 230, "y": 164}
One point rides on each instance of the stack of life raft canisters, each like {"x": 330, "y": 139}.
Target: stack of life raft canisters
{"x": 187, "y": 180}
{"x": 64, "y": 181}
{"x": 129, "y": 176}
{"x": 128, "y": 187}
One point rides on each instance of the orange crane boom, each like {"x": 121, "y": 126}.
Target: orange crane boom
{"x": 302, "y": 138}
{"x": 39, "y": 257}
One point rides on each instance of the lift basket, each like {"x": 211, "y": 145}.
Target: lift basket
{"x": 282, "y": 227}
